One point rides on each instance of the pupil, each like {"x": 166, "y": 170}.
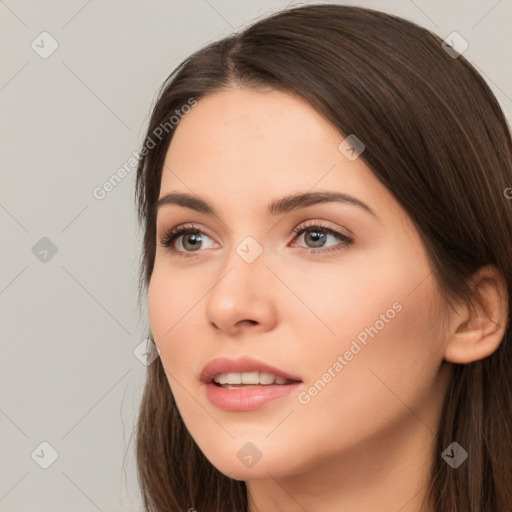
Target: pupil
{"x": 195, "y": 238}
{"x": 317, "y": 236}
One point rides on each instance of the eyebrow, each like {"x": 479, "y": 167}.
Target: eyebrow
{"x": 278, "y": 206}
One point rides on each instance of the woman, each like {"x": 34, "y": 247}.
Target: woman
{"x": 328, "y": 266}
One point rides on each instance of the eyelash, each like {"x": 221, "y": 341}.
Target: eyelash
{"x": 171, "y": 235}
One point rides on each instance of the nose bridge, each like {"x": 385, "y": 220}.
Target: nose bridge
{"x": 243, "y": 269}
{"x": 241, "y": 292}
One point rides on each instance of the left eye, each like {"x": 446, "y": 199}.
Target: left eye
{"x": 317, "y": 235}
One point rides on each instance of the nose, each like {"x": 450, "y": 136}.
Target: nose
{"x": 243, "y": 298}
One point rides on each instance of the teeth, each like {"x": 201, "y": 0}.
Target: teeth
{"x": 266, "y": 378}
{"x": 234, "y": 378}
{"x": 254, "y": 378}
{"x": 250, "y": 377}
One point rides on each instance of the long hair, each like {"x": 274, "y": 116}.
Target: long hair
{"x": 437, "y": 138}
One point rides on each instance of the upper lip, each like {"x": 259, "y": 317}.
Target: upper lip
{"x": 240, "y": 365}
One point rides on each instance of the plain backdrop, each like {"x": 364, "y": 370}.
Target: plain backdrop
{"x": 72, "y": 372}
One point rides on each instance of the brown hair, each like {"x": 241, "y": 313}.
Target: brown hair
{"x": 436, "y": 137}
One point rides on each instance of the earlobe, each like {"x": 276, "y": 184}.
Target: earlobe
{"x": 479, "y": 328}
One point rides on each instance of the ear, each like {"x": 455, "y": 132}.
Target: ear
{"x": 478, "y": 328}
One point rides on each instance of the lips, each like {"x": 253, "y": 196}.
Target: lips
{"x": 244, "y": 396}
{"x": 223, "y": 365}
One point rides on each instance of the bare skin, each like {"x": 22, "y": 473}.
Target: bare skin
{"x": 365, "y": 439}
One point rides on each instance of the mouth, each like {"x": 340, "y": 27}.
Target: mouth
{"x": 245, "y": 384}
{"x": 249, "y": 379}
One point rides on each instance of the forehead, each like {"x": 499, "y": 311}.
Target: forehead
{"x": 253, "y": 146}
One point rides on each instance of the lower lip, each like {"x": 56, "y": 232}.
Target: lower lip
{"x": 246, "y": 399}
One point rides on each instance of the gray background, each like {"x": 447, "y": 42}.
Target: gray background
{"x": 69, "y": 321}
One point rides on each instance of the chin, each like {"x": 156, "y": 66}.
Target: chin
{"x": 243, "y": 461}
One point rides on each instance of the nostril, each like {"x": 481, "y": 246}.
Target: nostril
{"x": 251, "y": 322}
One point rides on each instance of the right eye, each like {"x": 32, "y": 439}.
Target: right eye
{"x": 190, "y": 238}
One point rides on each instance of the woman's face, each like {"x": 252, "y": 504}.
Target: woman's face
{"x": 354, "y": 317}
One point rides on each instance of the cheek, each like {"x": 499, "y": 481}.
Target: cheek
{"x": 340, "y": 300}
{"x": 176, "y": 302}
{"x": 390, "y": 355}
{"x": 169, "y": 300}
{"x": 380, "y": 315}
{"x": 159, "y": 306}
